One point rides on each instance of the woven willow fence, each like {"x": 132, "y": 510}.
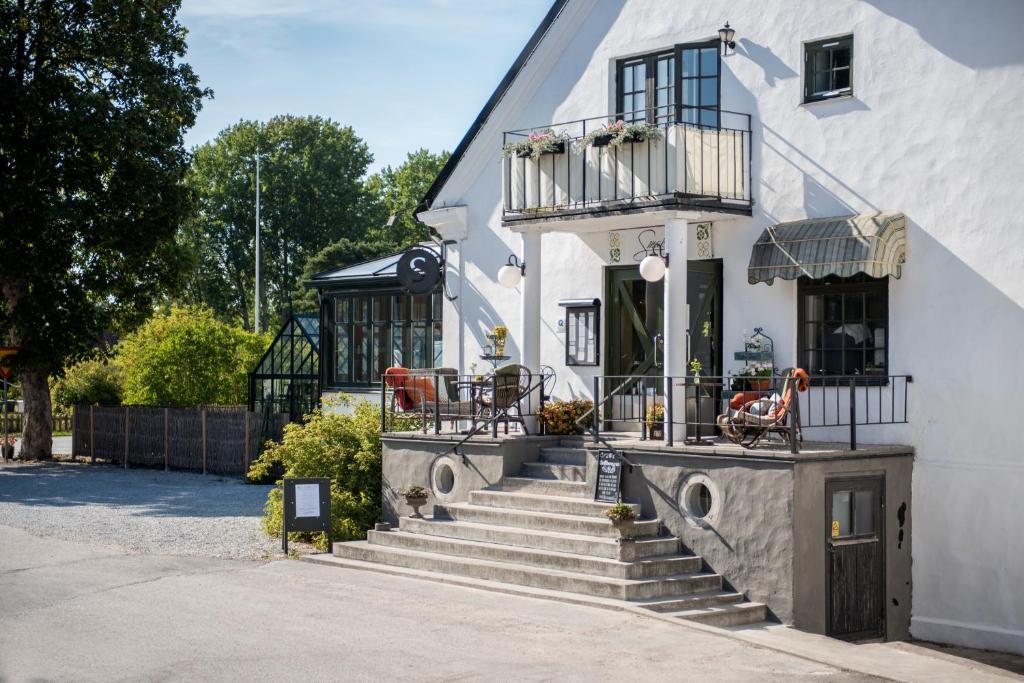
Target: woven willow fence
{"x": 216, "y": 439}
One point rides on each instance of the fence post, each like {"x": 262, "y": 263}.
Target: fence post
{"x": 127, "y": 433}
{"x": 167, "y": 437}
{"x": 383, "y": 405}
{"x": 597, "y": 397}
{"x": 202, "y": 419}
{"x": 494, "y": 405}
{"x": 92, "y": 433}
{"x": 247, "y": 437}
{"x": 853, "y": 414}
{"x": 74, "y": 410}
{"x": 794, "y": 422}
{"x": 437, "y": 405}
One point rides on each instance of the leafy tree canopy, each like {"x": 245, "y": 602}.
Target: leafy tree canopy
{"x": 92, "y": 381}
{"x": 96, "y": 97}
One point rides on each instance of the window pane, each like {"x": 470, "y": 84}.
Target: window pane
{"x": 709, "y": 61}
{"x": 398, "y": 345}
{"x": 690, "y": 116}
{"x": 381, "y": 351}
{"x": 362, "y": 309}
{"x": 437, "y": 345}
{"x": 627, "y": 79}
{"x": 822, "y": 82}
{"x": 709, "y": 117}
{"x": 864, "y": 511}
{"x": 840, "y": 57}
{"x": 875, "y": 303}
{"x": 820, "y": 59}
{"x": 841, "y": 511}
{"x": 663, "y": 67}
{"x": 438, "y": 304}
{"x": 419, "y": 340}
{"x": 639, "y": 77}
{"x": 854, "y": 306}
{"x": 639, "y": 104}
{"x": 380, "y": 308}
{"x": 841, "y": 79}
{"x": 690, "y": 92}
{"x": 814, "y": 306}
{"x": 343, "y": 351}
{"x": 708, "y": 92}
{"x": 420, "y": 307}
{"x": 689, "y": 63}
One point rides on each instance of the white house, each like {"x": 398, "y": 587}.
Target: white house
{"x": 906, "y": 116}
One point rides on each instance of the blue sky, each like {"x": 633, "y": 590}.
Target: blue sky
{"x": 404, "y": 74}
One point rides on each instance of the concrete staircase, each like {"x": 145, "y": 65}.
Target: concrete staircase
{"x": 542, "y": 530}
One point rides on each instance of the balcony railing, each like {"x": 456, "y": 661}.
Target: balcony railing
{"x": 686, "y": 165}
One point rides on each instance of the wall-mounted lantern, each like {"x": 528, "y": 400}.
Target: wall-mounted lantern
{"x": 510, "y": 274}
{"x": 726, "y": 35}
{"x": 654, "y": 259}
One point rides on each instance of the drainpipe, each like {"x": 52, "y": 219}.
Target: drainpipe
{"x": 676, "y": 325}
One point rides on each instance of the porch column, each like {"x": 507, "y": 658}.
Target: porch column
{"x": 676, "y": 320}
{"x": 529, "y": 314}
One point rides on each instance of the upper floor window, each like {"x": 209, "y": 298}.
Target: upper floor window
{"x": 678, "y": 85}
{"x": 828, "y": 68}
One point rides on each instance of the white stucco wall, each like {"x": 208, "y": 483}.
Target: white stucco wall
{"x": 933, "y": 130}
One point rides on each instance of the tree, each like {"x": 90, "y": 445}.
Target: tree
{"x": 93, "y": 381}
{"x": 342, "y": 253}
{"x": 187, "y": 357}
{"x": 96, "y": 98}
{"x": 312, "y": 194}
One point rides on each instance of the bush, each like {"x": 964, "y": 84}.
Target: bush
{"x": 561, "y": 417}
{"x": 345, "y": 448}
{"x": 187, "y": 357}
{"x": 90, "y": 382}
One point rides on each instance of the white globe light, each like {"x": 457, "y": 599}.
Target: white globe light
{"x": 652, "y": 268}
{"x": 509, "y": 276}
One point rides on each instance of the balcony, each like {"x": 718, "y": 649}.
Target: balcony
{"x": 667, "y": 165}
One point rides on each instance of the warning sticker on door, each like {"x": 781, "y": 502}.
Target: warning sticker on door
{"x": 835, "y": 528}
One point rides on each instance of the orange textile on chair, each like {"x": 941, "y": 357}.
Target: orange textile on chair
{"x": 396, "y": 377}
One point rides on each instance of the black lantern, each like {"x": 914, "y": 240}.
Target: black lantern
{"x": 726, "y": 34}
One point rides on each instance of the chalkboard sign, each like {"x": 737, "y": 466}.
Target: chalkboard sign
{"x": 307, "y": 507}
{"x": 609, "y": 477}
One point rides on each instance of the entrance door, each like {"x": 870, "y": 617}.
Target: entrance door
{"x": 635, "y": 319}
{"x": 855, "y": 558}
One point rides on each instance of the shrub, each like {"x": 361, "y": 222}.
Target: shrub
{"x": 345, "y": 448}
{"x": 90, "y": 382}
{"x": 188, "y": 357}
{"x": 620, "y": 512}
{"x": 561, "y": 417}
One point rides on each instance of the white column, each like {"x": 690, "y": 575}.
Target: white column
{"x": 677, "y": 319}
{"x": 529, "y": 314}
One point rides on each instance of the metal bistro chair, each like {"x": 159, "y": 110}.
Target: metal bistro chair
{"x": 752, "y": 416}
{"x": 511, "y": 384}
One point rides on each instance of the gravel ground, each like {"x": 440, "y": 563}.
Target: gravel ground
{"x": 141, "y": 511}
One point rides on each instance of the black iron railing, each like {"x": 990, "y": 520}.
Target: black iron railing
{"x": 682, "y": 161}
{"x": 642, "y": 403}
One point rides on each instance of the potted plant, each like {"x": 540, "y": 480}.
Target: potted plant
{"x": 756, "y": 376}
{"x": 415, "y": 497}
{"x": 656, "y": 421}
{"x": 619, "y": 133}
{"x": 536, "y": 144}
{"x": 499, "y": 334}
{"x": 562, "y": 417}
{"x": 622, "y": 517}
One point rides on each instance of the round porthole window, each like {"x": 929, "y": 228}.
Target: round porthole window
{"x": 699, "y": 499}
{"x": 442, "y": 477}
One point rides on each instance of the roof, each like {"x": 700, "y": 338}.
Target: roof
{"x": 872, "y": 243}
{"x": 381, "y": 270}
{"x": 492, "y": 102}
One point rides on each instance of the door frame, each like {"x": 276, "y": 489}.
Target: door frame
{"x": 839, "y": 482}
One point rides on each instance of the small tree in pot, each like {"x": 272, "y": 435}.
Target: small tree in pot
{"x": 415, "y": 497}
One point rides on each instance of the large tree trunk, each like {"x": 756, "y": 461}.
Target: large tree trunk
{"x": 37, "y": 436}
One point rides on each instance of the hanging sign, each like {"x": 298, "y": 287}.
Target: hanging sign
{"x": 418, "y": 270}
{"x": 307, "y": 507}
{"x": 609, "y": 477}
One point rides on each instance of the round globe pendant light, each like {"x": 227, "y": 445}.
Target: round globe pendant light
{"x": 652, "y": 268}
{"x": 511, "y": 274}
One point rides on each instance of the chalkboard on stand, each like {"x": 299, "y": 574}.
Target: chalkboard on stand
{"x": 307, "y": 507}
{"x": 609, "y": 477}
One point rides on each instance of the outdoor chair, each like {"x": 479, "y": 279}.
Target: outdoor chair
{"x": 510, "y": 386}
{"x": 414, "y": 392}
{"x": 752, "y": 416}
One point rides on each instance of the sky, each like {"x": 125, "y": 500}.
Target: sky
{"x": 404, "y": 74}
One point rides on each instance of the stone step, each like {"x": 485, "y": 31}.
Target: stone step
{"x": 692, "y": 602}
{"x": 541, "y": 540}
{"x": 516, "y": 500}
{"x": 547, "y": 470}
{"x": 548, "y": 487}
{"x": 551, "y": 579}
{"x": 726, "y": 615}
{"x": 543, "y": 521}
{"x": 564, "y": 456}
{"x": 598, "y": 566}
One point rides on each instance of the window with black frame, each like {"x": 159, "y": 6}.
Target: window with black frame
{"x": 582, "y": 331}
{"x": 828, "y": 69}
{"x": 375, "y": 331}
{"x": 844, "y": 325}
{"x": 678, "y": 85}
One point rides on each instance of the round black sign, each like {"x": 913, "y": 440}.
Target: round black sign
{"x": 419, "y": 270}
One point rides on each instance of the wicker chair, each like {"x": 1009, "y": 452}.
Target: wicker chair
{"x": 511, "y": 385}
{"x": 752, "y": 417}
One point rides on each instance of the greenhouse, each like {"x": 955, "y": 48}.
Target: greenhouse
{"x": 287, "y": 379}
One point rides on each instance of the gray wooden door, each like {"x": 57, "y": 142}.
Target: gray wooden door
{"x": 855, "y": 558}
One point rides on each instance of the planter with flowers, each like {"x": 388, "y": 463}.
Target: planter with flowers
{"x": 415, "y": 497}
{"x": 656, "y": 421}
{"x": 563, "y": 417}
{"x": 619, "y": 133}
{"x": 500, "y": 335}
{"x": 756, "y": 376}
{"x": 535, "y": 144}
{"x": 622, "y": 517}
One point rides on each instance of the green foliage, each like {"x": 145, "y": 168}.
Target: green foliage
{"x": 312, "y": 193}
{"x": 96, "y": 98}
{"x": 562, "y": 417}
{"x": 655, "y": 414}
{"x": 188, "y": 357}
{"x": 90, "y": 382}
{"x": 620, "y": 512}
{"x": 339, "y": 254}
{"x": 345, "y": 448}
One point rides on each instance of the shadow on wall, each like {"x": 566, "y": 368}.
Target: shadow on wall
{"x": 774, "y": 68}
{"x": 977, "y": 35}
{"x": 820, "y": 202}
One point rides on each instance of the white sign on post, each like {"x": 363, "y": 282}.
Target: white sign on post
{"x": 307, "y": 500}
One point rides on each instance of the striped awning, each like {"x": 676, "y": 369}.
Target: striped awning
{"x": 870, "y": 243}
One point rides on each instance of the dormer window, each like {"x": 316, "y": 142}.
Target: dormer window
{"x": 680, "y": 85}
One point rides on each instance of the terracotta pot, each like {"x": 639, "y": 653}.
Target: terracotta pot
{"x": 760, "y": 384}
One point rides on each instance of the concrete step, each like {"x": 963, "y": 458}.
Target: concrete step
{"x": 692, "y": 602}
{"x": 548, "y": 487}
{"x": 542, "y": 540}
{"x": 547, "y": 470}
{"x": 516, "y": 500}
{"x": 543, "y": 521}
{"x": 564, "y": 456}
{"x": 726, "y": 615}
{"x": 597, "y": 566}
{"x": 551, "y": 579}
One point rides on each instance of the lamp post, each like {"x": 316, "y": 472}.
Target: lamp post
{"x": 257, "y": 300}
